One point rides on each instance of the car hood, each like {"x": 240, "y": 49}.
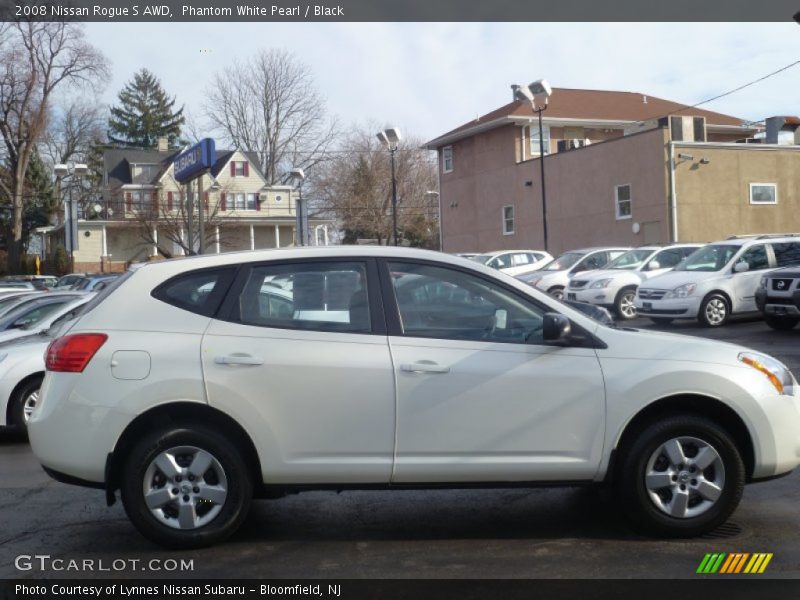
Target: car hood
{"x": 673, "y": 279}
{"x": 616, "y": 274}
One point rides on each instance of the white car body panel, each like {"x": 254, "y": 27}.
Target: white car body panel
{"x": 511, "y": 413}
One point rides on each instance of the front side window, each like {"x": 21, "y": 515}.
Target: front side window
{"x": 623, "y": 201}
{"x": 447, "y": 159}
{"x": 508, "y": 220}
{"x": 311, "y": 296}
{"x": 755, "y": 257}
{"x": 533, "y": 136}
{"x": 787, "y": 254}
{"x": 443, "y": 303}
{"x": 763, "y": 193}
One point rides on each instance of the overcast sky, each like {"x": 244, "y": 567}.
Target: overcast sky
{"x": 429, "y": 78}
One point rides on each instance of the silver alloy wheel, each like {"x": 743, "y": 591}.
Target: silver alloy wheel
{"x": 626, "y": 305}
{"x": 185, "y": 487}
{"x": 29, "y": 405}
{"x": 685, "y": 477}
{"x": 716, "y": 311}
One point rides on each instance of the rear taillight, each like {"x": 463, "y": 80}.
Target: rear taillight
{"x": 71, "y": 353}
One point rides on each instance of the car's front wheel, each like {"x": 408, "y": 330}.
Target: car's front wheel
{"x": 624, "y": 304}
{"x": 714, "y": 310}
{"x": 186, "y": 487}
{"x": 681, "y": 476}
{"x": 781, "y": 323}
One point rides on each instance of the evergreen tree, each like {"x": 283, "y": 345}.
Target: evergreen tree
{"x": 144, "y": 114}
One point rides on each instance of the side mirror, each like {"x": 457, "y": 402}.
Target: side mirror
{"x": 654, "y": 265}
{"x": 555, "y": 327}
{"x": 741, "y": 267}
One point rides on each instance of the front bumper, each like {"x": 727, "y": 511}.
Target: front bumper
{"x": 676, "y": 308}
{"x": 778, "y": 306}
{"x": 600, "y": 297}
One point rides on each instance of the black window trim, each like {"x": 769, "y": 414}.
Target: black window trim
{"x": 394, "y": 323}
{"x": 227, "y": 310}
{"x": 215, "y": 298}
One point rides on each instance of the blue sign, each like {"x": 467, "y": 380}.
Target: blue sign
{"x": 195, "y": 160}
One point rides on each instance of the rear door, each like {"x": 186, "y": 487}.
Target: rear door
{"x": 299, "y": 356}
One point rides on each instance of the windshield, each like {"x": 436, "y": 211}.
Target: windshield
{"x": 708, "y": 258}
{"x": 632, "y": 259}
{"x": 565, "y": 261}
{"x": 481, "y": 258}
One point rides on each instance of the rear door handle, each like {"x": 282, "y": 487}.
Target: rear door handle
{"x": 238, "y": 359}
{"x": 424, "y": 366}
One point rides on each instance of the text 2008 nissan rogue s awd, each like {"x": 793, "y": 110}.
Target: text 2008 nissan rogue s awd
{"x": 195, "y": 385}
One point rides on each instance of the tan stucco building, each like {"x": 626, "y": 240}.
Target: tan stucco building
{"x": 620, "y": 168}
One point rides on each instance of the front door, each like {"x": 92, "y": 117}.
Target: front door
{"x": 300, "y": 357}
{"x": 480, "y": 396}
{"x": 746, "y": 282}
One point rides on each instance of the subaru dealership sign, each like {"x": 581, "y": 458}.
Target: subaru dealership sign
{"x": 195, "y": 160}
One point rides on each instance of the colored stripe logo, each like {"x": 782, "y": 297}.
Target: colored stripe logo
{"x": 734, "y": 563}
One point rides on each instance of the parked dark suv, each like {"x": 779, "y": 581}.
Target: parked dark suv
{"x": 778, "y": 298}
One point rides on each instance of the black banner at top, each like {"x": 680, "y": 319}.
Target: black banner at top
{"x": 402, "y": 10}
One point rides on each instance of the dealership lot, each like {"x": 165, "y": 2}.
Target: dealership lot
{"x": 564, "y": 532}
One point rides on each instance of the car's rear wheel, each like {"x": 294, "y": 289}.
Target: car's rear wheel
{"x": 624, "y": 304}
{"x": 661, "y": 320}
{"x": 714, "y": 310}
{"x": 556, "y": 292}
{"x": 681, "y": 476}
{"x": 24, "y": 402}
{"x": 781, "y": 323}
{"x": 186, "y": 487}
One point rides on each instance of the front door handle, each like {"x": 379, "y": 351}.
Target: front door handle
{"x": 424, "y": 366}
{"x": 239, "y": 359}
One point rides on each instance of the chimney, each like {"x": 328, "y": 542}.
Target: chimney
{"x": 163, "y": 144}
{"x": 514, "y": 88}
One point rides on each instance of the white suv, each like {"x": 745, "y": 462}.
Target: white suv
{"x": 554, "y": 277}
{"x": 194, "y": 385}
{"x": 614, "y": 286}
{"x": 716, "y": 281}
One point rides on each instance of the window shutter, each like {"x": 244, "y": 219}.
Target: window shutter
{"x": 205, "y": 200}
{"x": 233, "y": 169}
{"x": 222, "y": 201}
{"x": 169, "y": 201}
{"x": 128, "y": 201}
{"x": 258, "y": 201}
{"x": 247, "y": 169}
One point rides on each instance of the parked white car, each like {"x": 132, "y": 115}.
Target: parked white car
{"x": 717, "y": 280}
{"x": 444, "y": 372}
{"x": 21, "y": 374}
{"x": 554, "y": 277}
{"x": 514, "y": 262}
{"x": 614, "y": 286}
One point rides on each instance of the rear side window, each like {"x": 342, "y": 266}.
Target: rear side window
{"x": 787, "y": 254}
{"x": 200, "y": 292}
{"x": 329, "y": 296}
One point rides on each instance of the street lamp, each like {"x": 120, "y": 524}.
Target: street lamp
{"x": 390, "y": 138}
{"x": 298, "y": 176}
{"x": 538, "y": 93}
{"x": 61, "y": 172}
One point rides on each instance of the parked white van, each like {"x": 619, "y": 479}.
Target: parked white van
{"x": 717, "y": 280}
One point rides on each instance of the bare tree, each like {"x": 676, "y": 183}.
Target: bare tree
{"x": 355, "y": 188}
{"x": 36, "y": 58}
{"x": 270, "y": 106}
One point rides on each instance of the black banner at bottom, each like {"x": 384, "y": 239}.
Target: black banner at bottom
{"x": 390, "y": 589}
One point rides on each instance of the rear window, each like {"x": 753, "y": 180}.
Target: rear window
{"x": 200, "y": 292}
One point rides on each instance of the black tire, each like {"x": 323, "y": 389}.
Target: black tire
{"x": 781, "y": 323}
{"x": 229, "y": 456}
{"x": 557, "y": 292}
{"x": 715, "y": 310}
{"x": 623, "y": 304}
{"x": 17, "y": 408}
{"x": 629, "y": 477}
{"x": 662, "y": 320}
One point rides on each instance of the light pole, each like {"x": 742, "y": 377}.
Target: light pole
{"x": 62, "y": 172}
{"x": 298, "y": 176}
{"x": 390, "y": 138}
{"x": 538, "y": 93}
{"x": 431, "y": 194}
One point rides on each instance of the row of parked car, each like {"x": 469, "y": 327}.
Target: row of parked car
{"x": 709, "y": 282}
{"x": 32, "y": 309}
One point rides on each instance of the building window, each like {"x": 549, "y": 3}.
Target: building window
{"x": 763, "y": 193}
{"x": 508, "y": 220}
{"x": 533, "y": 136}
{"x": 238, "y": 169}
{"x": 241, "y": 201}
{"x": 447, "y": 159}
{"x": 622, "y": 200}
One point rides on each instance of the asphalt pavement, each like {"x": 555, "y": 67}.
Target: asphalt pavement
{"x": 512, "y": 533}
